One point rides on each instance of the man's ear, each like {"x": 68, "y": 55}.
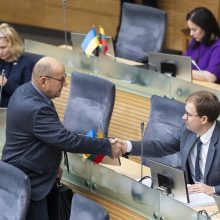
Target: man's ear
{"x": 204, "y": 119}
{"x": 42, "y": 81}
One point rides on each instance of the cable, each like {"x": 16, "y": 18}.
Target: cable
{"x": 146, "y": 177}
{"x": 204, "y": 212}
{"x": 214, "y": 214}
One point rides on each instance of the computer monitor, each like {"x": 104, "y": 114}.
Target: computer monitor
{"x": 77, "y": 39}
{"x": 3, "y": 113}
{"x": 169, "y": 180}
{"x": 170, "y": 64}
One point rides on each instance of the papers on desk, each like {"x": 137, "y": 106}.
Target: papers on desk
{"x": 200, "y": 199}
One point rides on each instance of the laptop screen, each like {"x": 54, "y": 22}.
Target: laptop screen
{"x": 183, "y": 66}
{"x": 77, "y": 39}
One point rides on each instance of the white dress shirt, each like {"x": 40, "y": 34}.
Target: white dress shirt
{"x": 205, "y": 139}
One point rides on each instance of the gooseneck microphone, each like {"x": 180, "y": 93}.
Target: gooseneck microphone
{"x": 142, "y": 147}
{"x": 1, "y": 86}
{"x": 64, "y": 21}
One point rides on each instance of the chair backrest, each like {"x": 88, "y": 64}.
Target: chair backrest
{"x": 33, "y": 58}
{"x": 142, "y": 30}
{"x": 164, "y": 121}
{"x": 90, "y": 104}
{"x": 15, "y": 192}
{"x": 83, "y": 208}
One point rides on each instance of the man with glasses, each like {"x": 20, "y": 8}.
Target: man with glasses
{"x": 35, "y": 137}
{"x": 198, "y": 142}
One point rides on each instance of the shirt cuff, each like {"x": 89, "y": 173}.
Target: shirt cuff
{"x": 213, "y": 188}
{"x": 129, "y": 146}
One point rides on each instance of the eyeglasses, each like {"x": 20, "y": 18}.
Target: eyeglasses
{"x": 62, "y": 79}
{"x": 190, "y": 115}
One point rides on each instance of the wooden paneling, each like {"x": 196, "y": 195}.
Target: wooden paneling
{"x": 81, "y": 14}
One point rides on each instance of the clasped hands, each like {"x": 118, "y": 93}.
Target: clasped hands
{"x": 3, "y": 80}
{"x": 119, "y": 147}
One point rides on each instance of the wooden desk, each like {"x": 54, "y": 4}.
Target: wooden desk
{"x": 129, "y": 168}
{"x": 128, "y": 62}
{"x": 207, "y": 84}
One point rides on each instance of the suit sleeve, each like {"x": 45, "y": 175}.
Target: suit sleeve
{"x": 50, "y": 130}
{"x": 156, "y": 146}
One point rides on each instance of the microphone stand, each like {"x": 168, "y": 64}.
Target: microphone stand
{"x": 64, "y": 21}
{"x": 142, "y": 147}
{"x": 1, "y": 87}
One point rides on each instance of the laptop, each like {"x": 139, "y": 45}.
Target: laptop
{"x": 77, "y": 39}
{"x": 160, "y": 62}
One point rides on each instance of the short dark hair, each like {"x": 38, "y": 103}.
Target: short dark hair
{"x": 205, "y": 19}
{"x": 206, "y": 103}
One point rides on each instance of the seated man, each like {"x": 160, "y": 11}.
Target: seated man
{"x": 198, "y": 142}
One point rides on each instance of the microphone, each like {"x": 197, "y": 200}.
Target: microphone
{"x": 64, "y": 21}
{"x": 142, "y": 147}
{"x": 1, "y": 87}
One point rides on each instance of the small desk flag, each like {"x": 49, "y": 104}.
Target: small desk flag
{"x": 103, "y": 47}
{"x": 90, "y": 42}
{"x": 93, "y": 157}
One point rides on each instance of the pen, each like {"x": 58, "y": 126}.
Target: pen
{"x": 194, "y": 63}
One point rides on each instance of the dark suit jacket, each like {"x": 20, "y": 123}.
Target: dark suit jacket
{"x": 17, "y": 73}
{"x": 35, "y": 138}
{"x": 184, "y": 142}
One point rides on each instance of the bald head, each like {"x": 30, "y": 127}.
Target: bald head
{"x": 49, "y": 76}
{"x": 46, "y": 66}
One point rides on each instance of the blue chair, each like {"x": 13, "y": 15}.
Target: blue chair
{"x": 164, "y": 121}
{"x": 142, "y": 30}
{"x": 83, "y": 208}
{"x": 90, "y": 104}
{"x": 15, "y": 193}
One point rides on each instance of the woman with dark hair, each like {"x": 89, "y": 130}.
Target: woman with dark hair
{"x": 204, "y": 49}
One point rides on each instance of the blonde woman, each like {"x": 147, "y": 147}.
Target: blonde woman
{"x": 15, "y": 65}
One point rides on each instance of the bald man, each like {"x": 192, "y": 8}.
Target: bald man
{"x": 35, "y": 137}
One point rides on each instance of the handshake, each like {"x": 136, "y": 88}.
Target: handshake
{"x": 119, "y": 147}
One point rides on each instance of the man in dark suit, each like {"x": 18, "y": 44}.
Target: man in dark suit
{"x": 200, "y": 158}
{"x": 35, "y": 137}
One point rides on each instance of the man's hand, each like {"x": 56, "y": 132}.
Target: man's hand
{"x": 119, "y": 147}
{"x": 200, "y": 188}
{"x": 3, "y": 80}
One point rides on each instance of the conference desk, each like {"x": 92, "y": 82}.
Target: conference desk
{"x": 201, "y": 83}
{"x": 128, "y": 167}
{"x": 132, "y": 170}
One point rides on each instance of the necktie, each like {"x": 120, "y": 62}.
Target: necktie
{"x": 197, "y": 166}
